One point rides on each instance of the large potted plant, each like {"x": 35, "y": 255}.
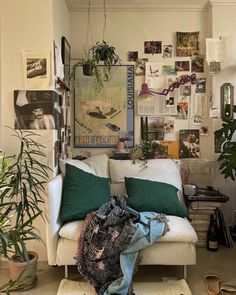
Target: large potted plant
{"x": 22, "y": 181}
{"x": 227, "y": 157}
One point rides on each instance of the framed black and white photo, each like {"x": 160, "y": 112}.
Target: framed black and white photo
{"x": 65, "y": 55}
{"x": 36, "y": 69}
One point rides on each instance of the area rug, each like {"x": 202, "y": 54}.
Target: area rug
{"x": 179, "y": 287}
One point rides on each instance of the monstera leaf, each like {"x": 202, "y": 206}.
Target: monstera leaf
{"x": 227, "y": 157}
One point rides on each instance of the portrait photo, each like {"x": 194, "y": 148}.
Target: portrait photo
{"x": 37, "y": 109}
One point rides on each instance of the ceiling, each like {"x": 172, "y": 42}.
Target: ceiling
{"x": 76, "y": 5}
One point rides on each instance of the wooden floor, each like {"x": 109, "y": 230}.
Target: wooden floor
{"x": 222, "y": 262}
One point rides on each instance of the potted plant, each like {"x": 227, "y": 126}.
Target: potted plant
{"x": 90, "y": 68}
{"x": 227, "y": 157}
{"x": 104, "y": 52}
{"x": 148, "y": 149}
{"x": 22, "y": 180}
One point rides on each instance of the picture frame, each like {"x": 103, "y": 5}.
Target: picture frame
{"x": 66, "y": 56}
{"x": 100, "y": 117}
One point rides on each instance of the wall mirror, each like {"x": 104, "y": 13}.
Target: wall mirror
{"x": 227, "y": 101}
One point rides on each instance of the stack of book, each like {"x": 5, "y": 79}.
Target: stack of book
{"x": 199, "y": 214}
{"x": 225, "y": 237}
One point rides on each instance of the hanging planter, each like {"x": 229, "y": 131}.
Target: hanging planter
{"x": 101, "y": 51}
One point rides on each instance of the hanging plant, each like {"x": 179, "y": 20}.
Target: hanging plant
{"x": 101, "y": 51}
{"x": 227, "y": 157}
{"x": 90, "y": 68}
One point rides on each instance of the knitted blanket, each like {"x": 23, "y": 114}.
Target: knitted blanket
{"x": 106, "y": 234}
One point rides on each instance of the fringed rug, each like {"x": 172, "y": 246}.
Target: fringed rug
{"x": 180, "y": 287}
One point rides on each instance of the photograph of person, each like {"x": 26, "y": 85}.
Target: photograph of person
{"x": 39, "y": 110}
{"x": 152, "y": 47}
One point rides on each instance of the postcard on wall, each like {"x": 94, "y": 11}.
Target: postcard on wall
{"x": 140, "y": 66}
{"x": 187, "y": 43}
{"x": 36, "y": 67}
{"x": 215, "y": 49}
{"x": 182, "y": 110}
{"x": 197, "y": 64}
{"x": 189, "y": 144}
{"x": 200, "y": 85}
{"x": 168, "y": 70}
{"x": 182, "y": 66}
{"x": 199, "y": 105}
{"x": 167, "y": 51}
{"x": 215, "y": 67}
{"x": 152, "y": 47}
{"x": 152, "y": 128}
{"x": 132, "y": 55}
{"x": 185, "y": 90}
{"x": 172, "y": 148}
{"x": 158, "y": 105}
{"x": 154, "y": 77}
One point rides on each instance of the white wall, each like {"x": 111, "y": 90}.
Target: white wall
{"x": 28, "y": 25}
{"x": 127, "y": 31}
{"x": 224, "y": 24}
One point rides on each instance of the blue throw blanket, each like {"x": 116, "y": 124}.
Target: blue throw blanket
{"x": 110, "y": 242}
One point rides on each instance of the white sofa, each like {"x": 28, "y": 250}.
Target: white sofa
{"x": 176, "y": 247}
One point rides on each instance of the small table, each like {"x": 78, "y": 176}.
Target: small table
{"x": 201, "y": 206}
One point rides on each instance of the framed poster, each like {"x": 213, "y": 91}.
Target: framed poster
{"x": 101, "y": 116}
{"x": 65, "y": 55}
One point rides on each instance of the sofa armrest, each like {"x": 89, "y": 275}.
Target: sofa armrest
{"x": 53, "y": 224}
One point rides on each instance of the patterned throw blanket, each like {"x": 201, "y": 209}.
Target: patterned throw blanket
{"x": 114, "y": 230}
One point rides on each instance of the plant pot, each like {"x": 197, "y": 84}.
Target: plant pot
{"x": 87, "y": 70}
{"x": 103, "y": 56}
{"x": 28, "y": 270}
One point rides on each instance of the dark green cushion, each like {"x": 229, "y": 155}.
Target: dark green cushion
{"x": 146, "y": 195}
{"x": 82, "y": 193}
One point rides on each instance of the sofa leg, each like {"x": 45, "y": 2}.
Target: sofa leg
{"x": 66, "y": 271}
{"x": 185, "y": 272}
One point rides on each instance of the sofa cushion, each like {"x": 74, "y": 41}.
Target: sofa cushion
{"x": 77, "y": 163}
{"x": 163, "y": 170}
{"x": 147, "y": 195}
{"x": 82, "y": 193}
{"x": 99, "y": 163}
{"x": 180, "y": 230}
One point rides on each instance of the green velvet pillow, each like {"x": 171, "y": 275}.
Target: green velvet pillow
{"x": 83, "y": 192}
{"x": 146, "y": 195}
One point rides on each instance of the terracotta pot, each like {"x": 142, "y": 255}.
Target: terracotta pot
{"x": 28, "y": 268}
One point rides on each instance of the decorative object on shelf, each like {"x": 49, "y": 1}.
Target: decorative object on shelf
{"x": 148, "y": 149}
{"x": 100, "y": 117}
{"x": 227, "y": 101}
{"x": 66, "y": 56}
{"x": 227, "y": 157}
{"x": 22, "y": 180}
{"x": 145, "y": 91}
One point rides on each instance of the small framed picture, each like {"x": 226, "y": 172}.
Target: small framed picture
{"x": 65, "y": 55}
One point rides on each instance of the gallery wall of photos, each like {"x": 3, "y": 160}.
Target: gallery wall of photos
{"x": 187, "y": 101}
